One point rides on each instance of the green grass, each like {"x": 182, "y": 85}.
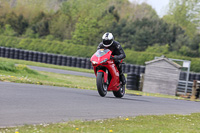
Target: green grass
{"x": 48, "y": 78}
{"x": 22, "y": 74}
{"x": 45, "y": 65}
{"x": 138, "y": 124}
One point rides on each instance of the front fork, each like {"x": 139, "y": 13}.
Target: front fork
{"x": 105, "y": 73}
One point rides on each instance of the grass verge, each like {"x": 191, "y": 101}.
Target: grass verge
{"x": 45, "y": 65}
{"x": 138, "y": 124}
{"x": 22, "y": 74}
{"x": 48, "y": 78}
{"x": 140, "y": 93}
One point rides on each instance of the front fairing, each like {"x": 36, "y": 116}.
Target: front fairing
{"x": 101, "y": 56}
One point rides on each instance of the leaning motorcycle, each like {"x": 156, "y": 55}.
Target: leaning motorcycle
{"x": 107, "y": 74}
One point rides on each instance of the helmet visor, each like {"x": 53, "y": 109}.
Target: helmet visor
{"x": 107, "y": 42}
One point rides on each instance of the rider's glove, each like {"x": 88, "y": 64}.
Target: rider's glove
{"x": 112, "y": 57}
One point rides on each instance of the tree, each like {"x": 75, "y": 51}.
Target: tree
{"x": 143, "y": 33}
{"x": 41, "y": 28}
{"x": 144, "y": 11}
{"x": 194, "y": 45}
{"x": 156, "y": 48}
{"x": 86, "y": 31}
{"x": 143, "y": 38}
{"x": 181, "y": 40}
{"x": 40, "y": 24}
{"x": 17, "y": 22}
{"x": 184, "y": 13}
{"x": 61, "y": 26}
{"x": 1, "y": 30}
{"x": 124, "y": 32}
{"x": 9, "y": 31}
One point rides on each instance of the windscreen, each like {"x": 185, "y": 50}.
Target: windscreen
{"x": 101, "y": 52}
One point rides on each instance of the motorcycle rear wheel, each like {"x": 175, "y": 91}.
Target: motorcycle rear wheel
{"x": 101, "y": 86}
{"x": 120, "y": 93}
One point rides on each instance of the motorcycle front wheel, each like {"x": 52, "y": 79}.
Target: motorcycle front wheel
{"x": 120, "y": 93}
{"x": 101, "y": 86}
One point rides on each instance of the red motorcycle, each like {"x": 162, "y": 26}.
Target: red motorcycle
{"x": 107, "y": 74}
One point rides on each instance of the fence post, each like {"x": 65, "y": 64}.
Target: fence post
{"x": 198, "y": 90}
{"x": 194, "y": 88}
{"x": 141, "y": 81}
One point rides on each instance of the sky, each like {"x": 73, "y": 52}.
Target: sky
{"x": 159, "y": 5}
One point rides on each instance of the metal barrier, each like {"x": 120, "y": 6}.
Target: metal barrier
{"x": 181, "y": 87}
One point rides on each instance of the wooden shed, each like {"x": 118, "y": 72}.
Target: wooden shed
{"x": 161, "y": 76}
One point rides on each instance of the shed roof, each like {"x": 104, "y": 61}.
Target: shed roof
{"x": 165, "y": 59}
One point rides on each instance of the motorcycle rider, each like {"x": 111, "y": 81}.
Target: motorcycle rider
{"x": 118, "y": 54}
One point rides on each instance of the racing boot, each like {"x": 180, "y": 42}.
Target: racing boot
{"x": 122, "y": 78}
{"x": 121, "y": 75}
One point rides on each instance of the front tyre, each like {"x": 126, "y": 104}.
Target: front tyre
{"x": 120, "y": 93}
{"x": 101, "y": 86}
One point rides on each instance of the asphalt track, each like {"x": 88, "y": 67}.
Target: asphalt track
{"x": 34, "y": 104}
{"x": 62, "y": 71}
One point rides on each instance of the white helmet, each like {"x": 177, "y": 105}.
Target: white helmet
{"x": 107, "y": 39}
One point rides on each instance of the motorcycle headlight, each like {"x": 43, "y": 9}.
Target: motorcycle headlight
{"x": 94, "y": 62}
{"x": 104, "y": 61}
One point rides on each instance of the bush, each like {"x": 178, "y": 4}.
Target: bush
{"x": 7, "y": 66}
{"x": 42, "y": 45}
{"x": 9, "y": 31}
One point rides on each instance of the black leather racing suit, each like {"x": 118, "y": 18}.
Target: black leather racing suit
{"x": 118, "y": 54}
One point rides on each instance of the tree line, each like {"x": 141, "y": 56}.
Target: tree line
{"x": 82, "y": 22}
